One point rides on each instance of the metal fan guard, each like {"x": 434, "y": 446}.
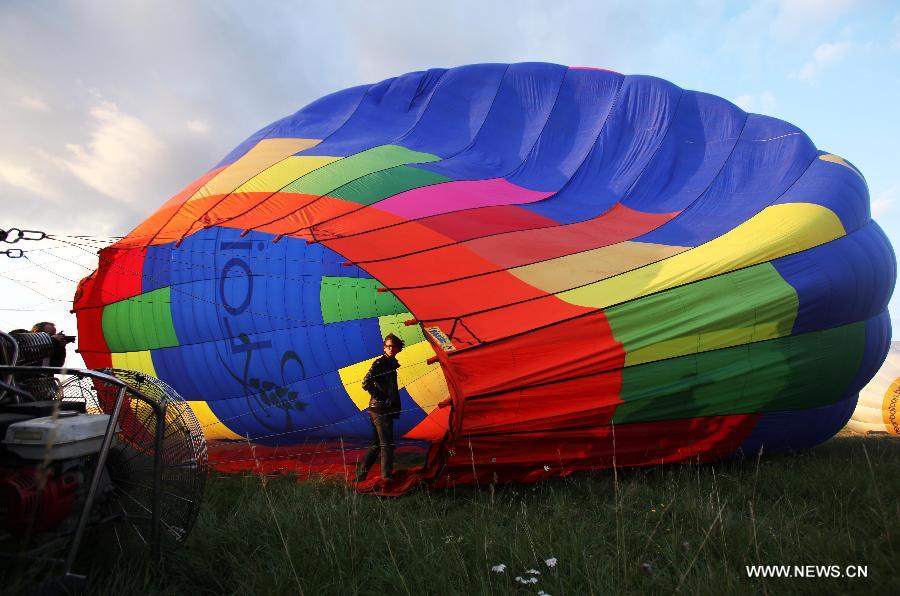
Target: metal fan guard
{"x": 131, "y": 459}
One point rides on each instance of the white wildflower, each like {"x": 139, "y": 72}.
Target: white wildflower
{"x": 501, "y": 568}
{"x": 551, "y": 562}
{"x": 526, "y": 580}
{"x": 542, "y": 593}
{"x": 533, "y": 571}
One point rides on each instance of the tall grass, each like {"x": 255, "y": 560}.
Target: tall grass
{"x": 690, "y": 529}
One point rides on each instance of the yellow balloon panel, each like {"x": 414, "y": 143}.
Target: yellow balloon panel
{"x": 876, "y": 410}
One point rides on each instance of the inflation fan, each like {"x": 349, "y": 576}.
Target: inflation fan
{"x": 116, "y": 454}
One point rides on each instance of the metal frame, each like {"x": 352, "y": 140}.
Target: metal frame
{"x": 158, "y": 409}
{"x": 7, "y": 379}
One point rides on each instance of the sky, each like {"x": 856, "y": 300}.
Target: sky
{"x": 108, "y": 108}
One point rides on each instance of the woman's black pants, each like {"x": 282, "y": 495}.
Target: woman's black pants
{"x": 382, "y": 443}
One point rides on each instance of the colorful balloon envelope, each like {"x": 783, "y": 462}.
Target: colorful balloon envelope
{"x": 876, "y": 410}
{"x": 596, "y": 269}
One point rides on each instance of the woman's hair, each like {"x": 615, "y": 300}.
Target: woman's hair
{"x": 397, "y": 341}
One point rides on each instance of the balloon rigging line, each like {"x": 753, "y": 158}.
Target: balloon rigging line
{"x": 345, "y": 420}
{"x": 175, "y": 212}
{"x": 445, "y": 159}
{"x": 249, "y": 335}
{"x": 38, "y": 292}
{"x": 86, "y": 237}
{"x": 193, "y": 265}
{"x": 555, "y": 194}
{"x": 34, "y": 307}
{"x": 52, "y": 252}
{"x": 45, "y": 268}
{"x": 326, "y": 390}
{"x": 265, "y": 315}
{"x": 510, "y": 232}
{"x": 26, "y": 268}
{"x": 476, "y": 312}
{"x": 431, "y": 319}
{"x": 556, "y": 292}
{"x": 505, "y": 176}
{"x": 67, "y": 280}
{"x": 537, "y": 137}
{"x": 395, "y": 141}
{"x": 23, "y": 266}
{"x": 34, "y": 281}
{"x": 327, "y": 137}
{"x": 552, "y": 294}
{"x": 306, "y": 324}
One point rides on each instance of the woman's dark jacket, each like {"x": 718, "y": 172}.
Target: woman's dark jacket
{"x": 381, "y": 383}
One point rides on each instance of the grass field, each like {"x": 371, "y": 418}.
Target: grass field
{"x": 691, "y": 529}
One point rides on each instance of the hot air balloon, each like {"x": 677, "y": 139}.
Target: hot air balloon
{"x": 596, "y": 269}
{"x": 876, "y": 410}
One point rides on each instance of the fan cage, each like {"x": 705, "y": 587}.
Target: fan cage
{"x": 130, "y": 464}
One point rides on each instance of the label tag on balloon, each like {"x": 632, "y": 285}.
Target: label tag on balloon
{"x": 441, "y": 338}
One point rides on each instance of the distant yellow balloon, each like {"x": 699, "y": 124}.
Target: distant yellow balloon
{"x": 876, "y": 411}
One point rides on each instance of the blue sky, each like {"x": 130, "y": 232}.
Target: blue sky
{"x": 108, "y": 108}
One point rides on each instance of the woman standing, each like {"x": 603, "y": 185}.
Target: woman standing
{"x": 384, "y": 407}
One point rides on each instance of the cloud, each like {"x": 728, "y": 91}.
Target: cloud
{"x": 881, "y": 207}
{"x": 825, "y": 54}
{"x": 120, "y": 159}
{"x": 805, "y": 17}
{"x": 883, "y": 201}
{"x": 197, "y": 126}
{"x": 387, "y": 43}
{"x": 829, "y": 52}
{"x": 761, "y": 103}
{"x": 33, "y": 103}
{"x": 22, "y": 176}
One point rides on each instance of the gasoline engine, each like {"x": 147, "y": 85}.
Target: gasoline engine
{"x": 44, "y": 459}
{"x": 114, "y": 452}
